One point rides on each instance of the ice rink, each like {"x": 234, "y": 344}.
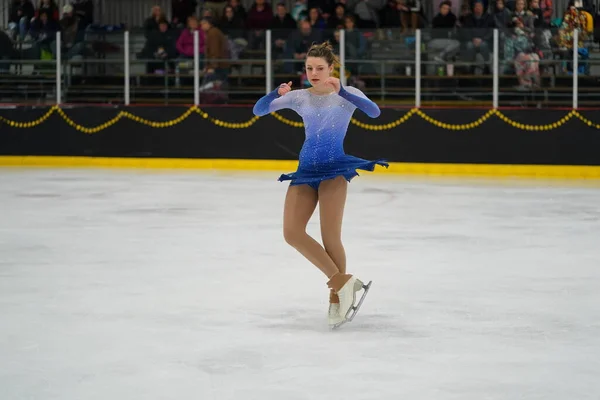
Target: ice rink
{"x": 178, "y": 285}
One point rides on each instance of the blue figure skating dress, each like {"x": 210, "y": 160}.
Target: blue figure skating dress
{"x": 326, "y": 119}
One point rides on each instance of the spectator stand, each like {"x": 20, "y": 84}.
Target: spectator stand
{"x": 381, "y": 60}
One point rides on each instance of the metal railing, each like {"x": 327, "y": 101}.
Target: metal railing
{"x": 270, "y": 60}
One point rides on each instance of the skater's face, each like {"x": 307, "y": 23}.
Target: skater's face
{"x": 317, "y": 70}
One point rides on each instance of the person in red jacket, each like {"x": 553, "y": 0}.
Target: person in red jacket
{"x": 185, "y": 43}
{"x": 48, "y": 7}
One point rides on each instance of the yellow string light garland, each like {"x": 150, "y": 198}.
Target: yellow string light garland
{"x": 243, "y": 125}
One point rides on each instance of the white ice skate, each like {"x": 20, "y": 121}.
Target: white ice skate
{"x": 334, "y": 316}
{"x": 347, "y": 295}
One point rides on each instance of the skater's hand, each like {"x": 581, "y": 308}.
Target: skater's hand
{"x": 284, "y": 88}
{"x": 334, "y": 83}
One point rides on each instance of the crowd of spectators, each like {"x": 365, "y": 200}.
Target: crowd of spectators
{"x": 39, "y": 26}
{"x": 225, "y": 28}
{"x": 527, "y": 34}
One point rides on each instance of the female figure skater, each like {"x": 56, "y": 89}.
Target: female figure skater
{"x": 323, "y": 173}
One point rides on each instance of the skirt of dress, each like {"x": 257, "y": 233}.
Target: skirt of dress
{"x": 314, "y": 174}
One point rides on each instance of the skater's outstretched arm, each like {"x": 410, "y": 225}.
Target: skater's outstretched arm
{"x": 272, "y": 102}
{"x": 358, "y": 98}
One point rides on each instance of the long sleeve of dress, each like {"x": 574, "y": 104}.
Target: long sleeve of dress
{"x": 272, "y": 102}
{"x": 358, "y": 99}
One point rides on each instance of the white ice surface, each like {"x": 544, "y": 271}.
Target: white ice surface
{"x": 163, "y": 285}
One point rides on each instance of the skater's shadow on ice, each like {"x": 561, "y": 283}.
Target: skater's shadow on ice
{"x": 313, "y": 322}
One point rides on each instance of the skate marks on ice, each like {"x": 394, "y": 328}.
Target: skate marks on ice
{"x": 315, "y": 321}
{"x": 482, "y": 292}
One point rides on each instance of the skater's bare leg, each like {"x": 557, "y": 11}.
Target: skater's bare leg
{"x": 300, "y": 204}
{"x": 332, "y": 199}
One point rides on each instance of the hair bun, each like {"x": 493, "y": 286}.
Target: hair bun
{"x": 323, "y": 50}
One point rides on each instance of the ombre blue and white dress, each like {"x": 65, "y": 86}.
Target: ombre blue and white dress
{"x": 326, "y": 119}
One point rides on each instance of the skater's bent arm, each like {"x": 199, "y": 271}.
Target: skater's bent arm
{"x": 358, "y": 98}
{"x": 272, "y": 102}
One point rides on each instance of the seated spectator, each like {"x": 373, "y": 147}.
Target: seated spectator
{"x": 7, "y": 52}
{"x": 536, "y": 14}
{"x": 217, "y": 51}
{"x": 356, "y": 45}
{"x": 325, "y": 7}
{"x": 185, "y": 43}
{"x": 354, "y": 38}
{"x": 443, "y": 45}
{"x": 465, "y": 12}
{"x": 582, "y": 5}
{"x": 232, "y": 26}
{"x": 282, "y": 26}
{"x": 300, "y": 10}
{"x": 238, "y": 9}
{"x": 476, "y": 34}
{"x": 160, "y": 45}
{"x": 298, "y": 44}
{"x": 336, "y": 21}
{"x": 20, "y": 14}
{"x": 546, "y": 10}
{"x": 216, "y": 7}
{"x": 523, "y": 14}
{"x": 181, "y": 10}
{"x": 410, "y": 13}
{"x": 84, "y": 10}
{"x": 72, "y": 43}
{"x": 367, "y": 14}
{"x": 43, "y": 31}
{"x": 315, "y": 19}
{"x": 574, "y": 19}
{"x": 502, "y": 17}
{"x": 152, "y": 22}
{"x": 50, "y": 8}
{"x": 390, "y": 15}
{"x": 542, "y": 33}
{"x": 258, "y": 21}
{"x": 519, "y": 51}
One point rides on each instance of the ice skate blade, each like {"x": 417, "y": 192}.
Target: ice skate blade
{"x": 354, "y": 309}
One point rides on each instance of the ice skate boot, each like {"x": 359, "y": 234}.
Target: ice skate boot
{"x": 346, "y": 286}
{"x": 334, "y": 316}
